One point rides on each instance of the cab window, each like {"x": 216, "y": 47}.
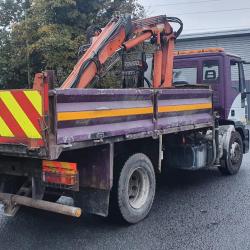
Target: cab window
{"x": 185, "y": 75}
{"x": 235, "y": 76}
{"x": 210, "y": 71}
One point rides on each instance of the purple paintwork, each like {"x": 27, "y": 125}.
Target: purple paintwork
{"x": 223, "y": 95}
{"x": 72, "y": 100}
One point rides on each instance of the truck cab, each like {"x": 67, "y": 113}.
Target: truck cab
{"x": 223, "y": 72}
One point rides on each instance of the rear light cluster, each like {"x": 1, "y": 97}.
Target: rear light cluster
{"x": 60, "y": 174}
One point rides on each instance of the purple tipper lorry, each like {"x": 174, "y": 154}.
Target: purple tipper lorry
{"x": 104, "y": 147}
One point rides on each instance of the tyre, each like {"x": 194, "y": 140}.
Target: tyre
{"x": 231, "y": 161}
{"x": 134, "y": 189}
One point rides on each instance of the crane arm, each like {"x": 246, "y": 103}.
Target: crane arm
{"x": 123, "y": 34}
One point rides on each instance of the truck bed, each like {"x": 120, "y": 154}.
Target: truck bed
{"x": 82, "y": 118}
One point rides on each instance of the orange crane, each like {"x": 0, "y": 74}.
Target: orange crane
{"x": 121, "y": 34}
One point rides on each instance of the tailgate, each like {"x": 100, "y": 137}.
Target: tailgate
{"x": 22, "y": 114}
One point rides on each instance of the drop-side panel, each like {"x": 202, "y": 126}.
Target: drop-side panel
{"x": 179, "y": 108}
{"x": 90, "y": 114}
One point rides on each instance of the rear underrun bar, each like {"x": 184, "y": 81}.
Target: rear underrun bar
{"x": 10, "y": 201}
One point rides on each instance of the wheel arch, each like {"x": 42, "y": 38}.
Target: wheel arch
{"x": 240, "y": 128}
{"x": 149, "y": 146}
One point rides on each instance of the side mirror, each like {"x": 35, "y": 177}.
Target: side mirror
{"x": 244, "y": 95}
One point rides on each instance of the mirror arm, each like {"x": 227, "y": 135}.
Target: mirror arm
{"x": 244, "y": 95}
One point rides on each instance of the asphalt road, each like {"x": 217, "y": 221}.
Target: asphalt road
{"x": 192, "y": 210}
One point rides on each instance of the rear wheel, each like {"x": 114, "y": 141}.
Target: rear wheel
{"x": 134, "y": 189}
{"x": 231, "y": 161}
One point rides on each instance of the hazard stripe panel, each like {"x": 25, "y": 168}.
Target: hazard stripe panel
{"x": 21, "y": 114}
{"x": 36, "y": 99}
{"x": 5, "y": 131}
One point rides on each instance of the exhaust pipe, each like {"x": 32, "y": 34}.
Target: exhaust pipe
{"x": 12, "y": 200}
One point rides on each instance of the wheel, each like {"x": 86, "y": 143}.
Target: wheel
{"x": 231, "y": 161}
{"x": 134, "y": 189}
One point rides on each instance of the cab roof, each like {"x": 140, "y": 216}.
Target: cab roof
{"x": 202, "y": 52}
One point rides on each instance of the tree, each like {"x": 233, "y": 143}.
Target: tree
{"x": 43, "y": 34}
{"x": 12, "y": 66}
{"x": 11, "y": 11}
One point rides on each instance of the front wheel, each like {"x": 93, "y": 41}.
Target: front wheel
{"x": 135, "y": 188}
{"x": 231, "y": 161}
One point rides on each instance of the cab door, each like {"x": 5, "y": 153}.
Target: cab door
{"x": 236, "y": 100}
{"x": 212, "y": 74}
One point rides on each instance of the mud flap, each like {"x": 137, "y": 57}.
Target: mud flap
{"x": 93, "y": 201}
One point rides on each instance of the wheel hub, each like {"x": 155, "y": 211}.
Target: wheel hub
{"x": 138, "y": 188}
{"x": 235, "y": 152}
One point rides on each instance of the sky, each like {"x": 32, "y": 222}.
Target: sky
{"x": 201, "y": 16}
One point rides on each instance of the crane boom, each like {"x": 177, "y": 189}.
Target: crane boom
{"x": 122, "y": 34}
